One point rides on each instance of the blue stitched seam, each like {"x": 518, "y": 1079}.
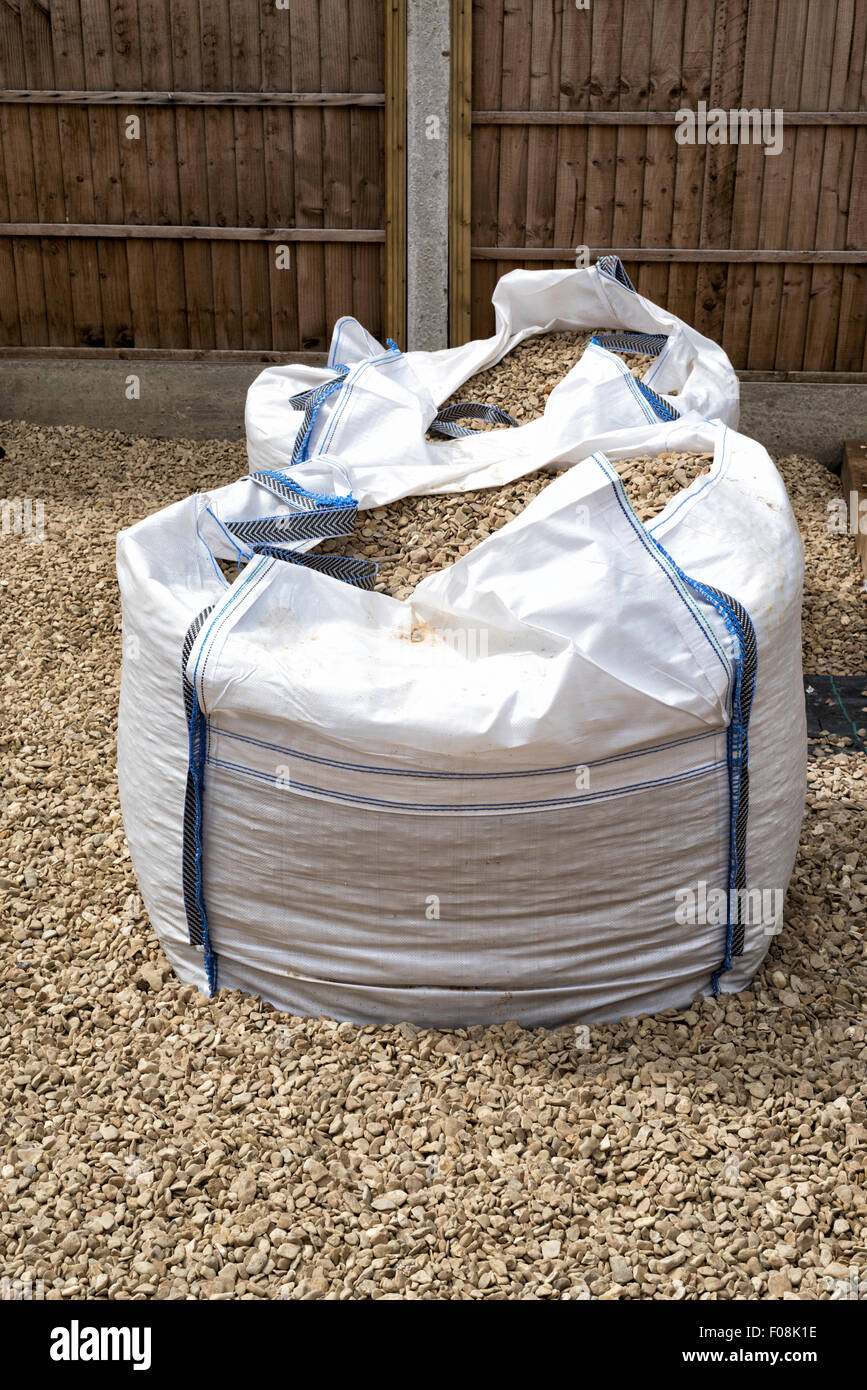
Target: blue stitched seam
{"x": 197, "y": 769}
{"x": 484, "y": 807}
{"x": 458, "y": 776}
{"x": 659, "y": 361}
{"x": 224, "y": 583}
{"x": 228, "y": 535}
{"x": 738, "y": 753}
{"x": 341, "y": 405}
{"x": 712, "y": 477}
{"x": 664, "y": 411}
{"x": 652, "y": 545}
{"x": 333, "y": 353}
{"x": 299, "y": 449}
{"x": 646, "y": 408}
{"x": 196, "y": 760}
{"x": 331, "y": 363}
{"x": 331, "y": 499}
{"x": 350, "y": 384}
{"x": 737, "y": 747}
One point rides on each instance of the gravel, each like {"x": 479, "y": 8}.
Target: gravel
{"x": 835, "y": 611}
{"x": 419, "y": 535}
{"x": 521, "y": 383}
{"x": 160, "y": 1145}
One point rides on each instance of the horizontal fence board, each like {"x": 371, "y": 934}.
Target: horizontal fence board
{"x": 816, "y": 378}
{"x": 215, "y": 44}
{"x": 183, "y": 295}
{"x": 669, "y": 253}
{"x": 649, "y": 118}
{"x": 127, "y": 230}
{"x": 168, "y": 98}
{"x": 316, "y": 359}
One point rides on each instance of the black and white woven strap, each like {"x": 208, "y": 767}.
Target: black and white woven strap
{"x": 613, "y": 267}
{"x": 349, "y": 569}
{"x": 312, "y": 517}
{"x": 322, "y": 523}
{"x": 444, "y": 422}
{"x": 749, "y": 657}
{"x": 191, "y": 865}
{"x": 661, "y": 408}
{"x": 741, "y": 625}
{"x": 648, "y": 344}
{"x": 310, "y": 402}
{"x": 284, "y": 487}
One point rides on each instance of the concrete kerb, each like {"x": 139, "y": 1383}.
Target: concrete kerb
{"x": 205, "y": 400}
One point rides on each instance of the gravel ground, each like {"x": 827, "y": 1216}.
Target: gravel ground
{"x": 835, "y": 610}
{"x": 159, "y": 1145}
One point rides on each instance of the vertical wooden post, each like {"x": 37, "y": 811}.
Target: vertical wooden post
{"x": 395, "y": 170}
{"x": 854, "y": 483}
{"x": 460, "y": 163}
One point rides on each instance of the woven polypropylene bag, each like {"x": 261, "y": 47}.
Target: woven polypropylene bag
{"x": 487, "y": 802}
{"x": 365, "y": 416}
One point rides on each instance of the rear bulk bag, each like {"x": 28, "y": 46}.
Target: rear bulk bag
{"x": 521, "y": 794}
{"x": 371, "y": 407}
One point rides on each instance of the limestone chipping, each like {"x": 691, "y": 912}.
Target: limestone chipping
{"x": 160, "y": 1145}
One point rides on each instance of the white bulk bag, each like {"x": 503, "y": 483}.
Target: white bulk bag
{"x": 490, "y": 801}
{"x": 370, "y": 408}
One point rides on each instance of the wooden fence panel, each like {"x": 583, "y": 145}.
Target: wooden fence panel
{"x": 574, "y": 144}
{"x": 208, "y": 133}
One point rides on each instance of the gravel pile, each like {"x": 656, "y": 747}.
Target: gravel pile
{"x": 522, "y": 382}
{"x": 416, "y": 536}
{"x": 835, "y": 610}
{"x": 419, "y": 535}
{"x": 160, "y": 1145}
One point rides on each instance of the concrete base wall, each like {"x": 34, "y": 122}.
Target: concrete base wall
{"x": 186, "y": 400}
{"x": 809, "y": 418}
{"x": 203, "y": 400}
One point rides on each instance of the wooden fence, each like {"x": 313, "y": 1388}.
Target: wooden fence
{"x": 225, "y": 178}
{"x": 573, "y": 143}
{"x": 158, "y": 154}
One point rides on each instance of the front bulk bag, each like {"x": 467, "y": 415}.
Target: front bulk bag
{"x": 491, "y": 801}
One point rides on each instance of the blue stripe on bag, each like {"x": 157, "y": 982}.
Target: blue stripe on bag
{"x": 191, "y": 858}
{"x": 313, "y": 516}
{"x": 311, "y": 402}
{"x": 744, "y": 669}
{"x": 740, "y": 625}
{"x": 659, "y": 404}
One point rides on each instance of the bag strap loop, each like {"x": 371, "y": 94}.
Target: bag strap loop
{"x": 648, "y": 344}
{"x": 444, "y": 420}
{"x": 311, "y": 516}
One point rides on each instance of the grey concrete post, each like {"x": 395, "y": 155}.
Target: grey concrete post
{"x": 427, "y": 158}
